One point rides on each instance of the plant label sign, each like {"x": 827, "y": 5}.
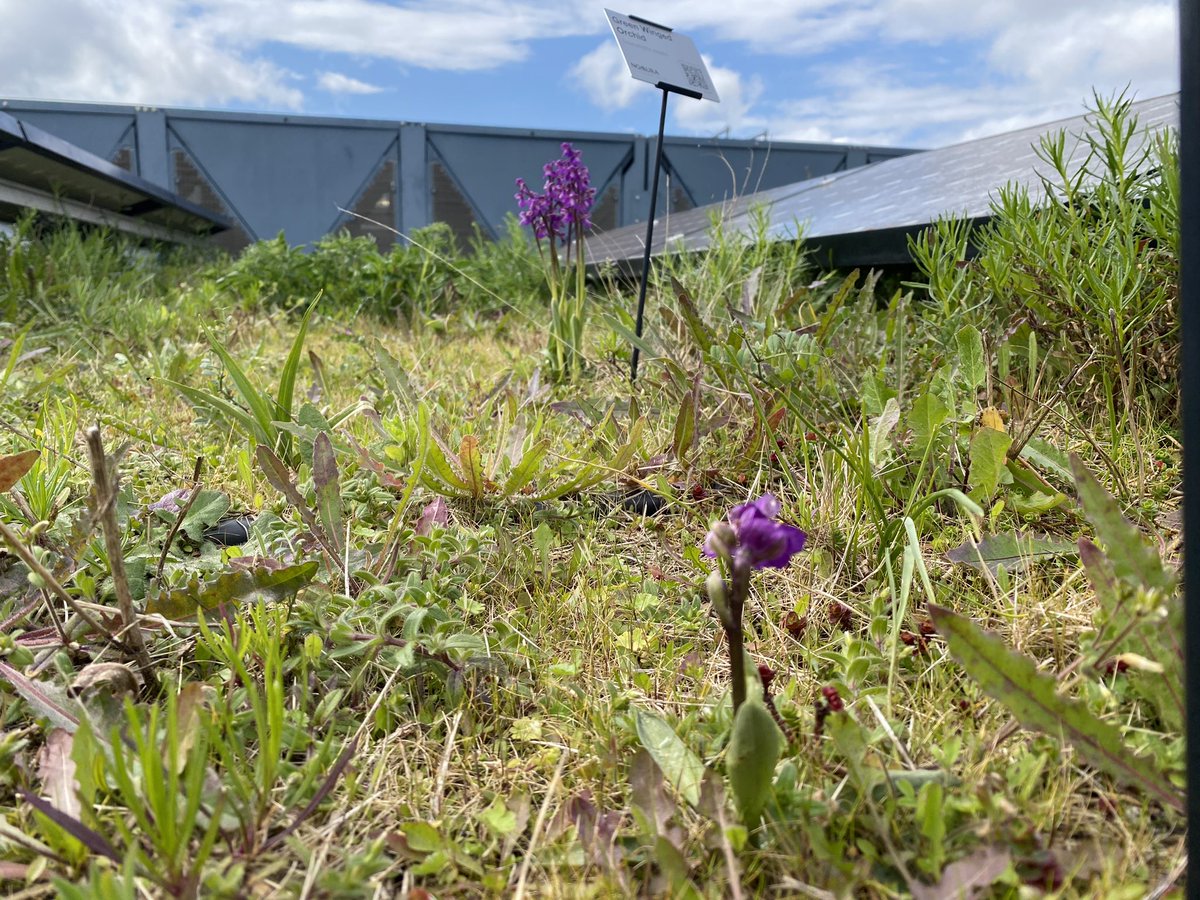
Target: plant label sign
{"x": 664, "y": 58}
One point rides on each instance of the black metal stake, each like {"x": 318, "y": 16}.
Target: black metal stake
{"x": 1189, "y": 409}
{"x": 662, "y": 123}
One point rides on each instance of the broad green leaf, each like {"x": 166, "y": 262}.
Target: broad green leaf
{"x": 279, "y": 476}
{"x": 1103, "y": 579}
{"x": 1015, "y": 550}
{"x": 1025, "y": 477}
{"x": 395, "y": 377}
{"x": 234, "y": 587}
{"x": 971, "y": 366}
{"x": 754, "y": 748}
{"x": 311, "y": 417}
{"x": 684, "y": 434}
{"x": 1032, "y": 696}
{"x": 543, "y": 543}
{"x": 437, "y": 473}
{"x": 328, "y": 489}
{"x": 650, "y": 800}
{"x": 1133, "y": 559}
{"x": 45, "y": 698}
{"x": 14, "y": 466}
{"x": 260, "y": 406}
{"x": 1036, "y": 504}
{"x": 874, "y": 394}
{"x": 498, "y": 818}
{"x": 421, "y": 837}
{"x": 527, "y": 469}
{"x": 628, "y": 335}
{"x": 926, "y": 416}
{"x": 206, "y": 511}
{"x": 680, "y": 766}
{"x": 1046, "y": 456}
{"x": 1146, "y": 630}
{"x": 989, "y": 449}
{"x": 135, "y": 574}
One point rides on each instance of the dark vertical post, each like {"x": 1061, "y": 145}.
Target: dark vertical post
{"x": 641, "y": 310}
{"x": 1189, "y": 406}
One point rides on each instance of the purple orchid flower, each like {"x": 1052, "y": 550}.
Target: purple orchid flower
{"x": 170, "y": 501}
{"x": 749, "y": 539}
{"x": 758, "y": 541}
{"x": 565, "y": 202}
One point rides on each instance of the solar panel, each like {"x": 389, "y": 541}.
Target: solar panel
{"x": 864, "y": 216}
{"x": 40, "y": 171}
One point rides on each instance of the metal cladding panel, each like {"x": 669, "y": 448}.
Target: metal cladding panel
{"x": 897, "y": 196}
{"x": 284, "y": 176}
{"x": 486, "y": 166}
{"x": 712, "y": 173}
{"x": 97, "y": 133}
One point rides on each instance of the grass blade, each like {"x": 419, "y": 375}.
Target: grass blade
{"x": 287, "y": 378}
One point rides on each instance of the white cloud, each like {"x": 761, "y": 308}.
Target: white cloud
{"x": 337, "y": 83}
{"x": 604, "y": 78}
{"x": 110, "y": 50}
{"x": 450, "y": 35}
{"x": 1020, "y": 60}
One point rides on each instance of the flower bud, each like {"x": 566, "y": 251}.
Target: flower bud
{"x": 714, "y": 586}
{"x": 720, "y": 540}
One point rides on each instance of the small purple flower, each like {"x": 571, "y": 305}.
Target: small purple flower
{"x": 753, "y": 537}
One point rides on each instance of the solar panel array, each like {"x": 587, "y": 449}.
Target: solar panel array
{"x": 40, "y": 171}
{"x": 864, "y": 216}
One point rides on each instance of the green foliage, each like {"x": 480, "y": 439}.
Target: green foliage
{"x": 522, "y": 464}
{"x": 443, "y": 639}
{"x": 1033, "y": 696}
{"x": 264, "y": 418}
{"x": 423, "y": 274}
{"x": 1096, "y": 265}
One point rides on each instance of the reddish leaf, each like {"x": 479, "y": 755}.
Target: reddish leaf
{"x": 14, "y": 467}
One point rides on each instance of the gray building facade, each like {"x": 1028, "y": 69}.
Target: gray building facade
{"x": 309, "y": 176}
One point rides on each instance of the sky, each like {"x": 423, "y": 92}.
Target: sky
{"x": 910, "y": 73}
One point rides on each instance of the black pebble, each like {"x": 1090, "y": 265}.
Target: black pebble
{"x": 644, "y": 503}
{"x": 230, "y": 533}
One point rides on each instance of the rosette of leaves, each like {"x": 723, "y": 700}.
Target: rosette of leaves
{"x": 522, "y": 463}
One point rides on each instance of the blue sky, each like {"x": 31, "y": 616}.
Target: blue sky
{"x": 895, "y": 72}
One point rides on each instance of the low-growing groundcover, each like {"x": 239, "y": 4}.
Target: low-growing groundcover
{"x": 470, "y": 645}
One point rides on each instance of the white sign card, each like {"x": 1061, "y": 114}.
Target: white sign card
{"x": 661, "y": 57}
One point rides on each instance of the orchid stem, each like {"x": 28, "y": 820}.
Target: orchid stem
{"x": 735, "y": 637}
